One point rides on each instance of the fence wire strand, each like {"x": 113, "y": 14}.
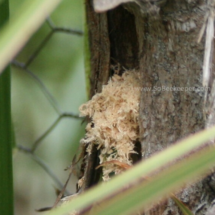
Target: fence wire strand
{"x": 24, "y": 66}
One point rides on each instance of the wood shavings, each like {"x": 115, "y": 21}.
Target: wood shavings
{"x": 114, "y": 121}
{"x": 80, "y": 182}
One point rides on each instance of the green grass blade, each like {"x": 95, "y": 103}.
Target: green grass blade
{"x": 142, "y": 169}
{"x": 20, "y": 28}
{"x": 150, "y": 191}
{"x": 6, "y": 171}
{"x": 182, "y": 206}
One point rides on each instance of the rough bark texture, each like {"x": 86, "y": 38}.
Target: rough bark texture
{"x": 100, "y": 69}
{"x": 163, "y": 46}
{"x": 99, "y": 48}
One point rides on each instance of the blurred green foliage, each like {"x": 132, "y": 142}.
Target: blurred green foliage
{"x": 60, "y": 65}
{"x": 6, "y": 173}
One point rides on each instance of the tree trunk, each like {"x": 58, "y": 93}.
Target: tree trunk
{"x": 159, "y": 40}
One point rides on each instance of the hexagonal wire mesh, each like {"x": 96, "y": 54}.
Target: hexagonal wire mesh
{"x": 47, "y": 87}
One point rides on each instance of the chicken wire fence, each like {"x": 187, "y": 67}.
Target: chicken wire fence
{"x": 25, "y": 65}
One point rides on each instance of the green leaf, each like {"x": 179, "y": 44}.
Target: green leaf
{"x": 160, "y": 185}
{"x": 148, "y": 192}
{"x": 182, "y": 206}
{"x": 20, "y": 28}
{"x": 1, "y": 2}
{"x": 6, "y": 171}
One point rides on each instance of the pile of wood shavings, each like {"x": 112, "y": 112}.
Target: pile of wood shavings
{"x": 114, "y": 121}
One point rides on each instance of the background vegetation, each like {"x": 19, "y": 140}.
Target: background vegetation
{"x": 60, "y": 66}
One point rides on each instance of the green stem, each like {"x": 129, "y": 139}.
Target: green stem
{"x": 6, "y": 173}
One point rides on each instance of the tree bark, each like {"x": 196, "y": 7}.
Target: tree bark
{"x": 161, "y": 42}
